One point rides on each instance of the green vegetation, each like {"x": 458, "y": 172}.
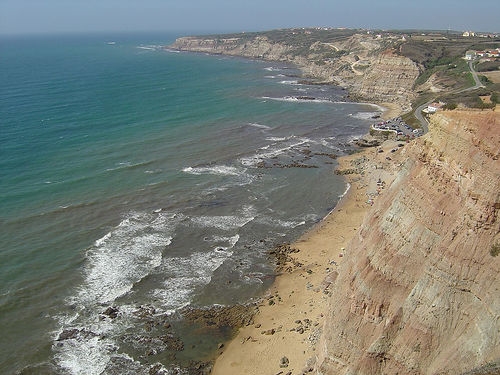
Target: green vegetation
{"x": 441, "y": 56}
{"x": 449, "y": 106}
{"x": 472, "y": 99}
{"x": 484, "y": 80}
{"x": 451, "y": 73}
{"x": 495, "y": 249}
{"x": 431, "y": 50}
{"x": 488, "y": 66}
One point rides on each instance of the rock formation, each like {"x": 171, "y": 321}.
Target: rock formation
{"x": 369, "y": 68}
{"x": 418, "y": 292}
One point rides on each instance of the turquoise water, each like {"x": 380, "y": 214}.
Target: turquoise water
{"x": 131, "y": 176}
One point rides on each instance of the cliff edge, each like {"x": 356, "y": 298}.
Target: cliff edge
{"x": 368, "y": 66}
{"x": 418, "y": 291}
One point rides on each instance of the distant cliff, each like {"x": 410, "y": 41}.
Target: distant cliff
{"x": 367, "y": 66}
{"x": 418, "y": 292}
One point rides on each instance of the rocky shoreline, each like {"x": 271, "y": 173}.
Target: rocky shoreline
{"x": 362, "y": 68}
{"x": 291, "y": 316}
{"x": 328, "y": 288}
{"x": 383, "y": 273}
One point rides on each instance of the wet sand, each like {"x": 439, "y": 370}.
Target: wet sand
{"x": 283, "y": 337}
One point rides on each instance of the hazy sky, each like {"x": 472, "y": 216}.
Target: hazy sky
{"x": 56, "y": 16}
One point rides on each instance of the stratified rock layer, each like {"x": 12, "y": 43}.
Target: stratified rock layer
{"x": 368, "y": 68}
{"x": 418, "y": 292}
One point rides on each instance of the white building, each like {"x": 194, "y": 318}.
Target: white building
{"x": 470, "y": 55}
{"x": 433, "y": 107}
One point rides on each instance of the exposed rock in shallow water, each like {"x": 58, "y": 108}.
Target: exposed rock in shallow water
{"x": 111, "y": 312}
{"x": 220, "y": 316}
{"x": 284, "y": 261}
{"x": 74, "y": 333}
{"x": 368, "y": 141}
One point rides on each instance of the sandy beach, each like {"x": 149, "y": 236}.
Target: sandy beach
{"x": 391, "y": 110}
{"x": 285, "y": 331}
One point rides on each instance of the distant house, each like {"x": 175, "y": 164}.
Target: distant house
{"x": 433, "y": 107}
{"x": 470, "y": 55}
{"x": 494, "y": 53}
{"x": 469, "y": 34}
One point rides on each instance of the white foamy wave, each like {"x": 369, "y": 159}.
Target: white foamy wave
{"x": 254, "y": 278}
{"x": 186, "y": 276}
{"x": 223, "y": 170}
{"x": 151, "y": 47}
{"x": 249, "y": 210}
{"x": 289, "y": 82}
{"x": 127, "y": 165}
{"x": 114, "y": 264}
{"x": 90, "y": 353}
{"x": 276, "y": 139}
{"x": 260, "y": 126}
{"x": 232, "y": 240}
{"x": 298, "y": 99}
{"x": 229, "y": 242}
{"x": 153, "y": 171}
{"x": 114, "y": 271}
{"x": 327, "y": 142}
{"x": 348, "y": 187}
{"x": 272, "y": 69}
{"x": 101, "y": 240}
{"x": 85, "y": 357}
{"x": 222, "y": 222}
{"x": 281, "y": 223}
{"x": 272, "y": 152}
{"x": 123, "y": 257}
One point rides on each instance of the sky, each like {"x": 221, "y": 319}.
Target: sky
{"x": 77, "y": 16}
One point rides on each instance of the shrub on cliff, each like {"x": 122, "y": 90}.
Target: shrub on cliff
{"x": 450, "y": 106}
{"x": 495, "y": 249}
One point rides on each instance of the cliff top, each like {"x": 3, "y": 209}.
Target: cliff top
{"x": 422, "y": 65}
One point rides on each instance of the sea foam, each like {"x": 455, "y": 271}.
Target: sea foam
{"x": 186, "y": 275}
{"x": 227, "y": 222}
{"x": 122, "y": 258}
{"x": 115, "y": 263}
{"x": 222, "y": 170}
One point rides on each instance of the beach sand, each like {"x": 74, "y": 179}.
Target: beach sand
{"x": 283, "y": 336}
{"x": 391, "y": 110}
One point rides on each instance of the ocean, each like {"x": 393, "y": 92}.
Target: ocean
{"x": 134, "y": 178}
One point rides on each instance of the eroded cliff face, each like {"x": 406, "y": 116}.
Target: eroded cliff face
{"x": 368, "y": 68}
{"x": 418, "y": 292}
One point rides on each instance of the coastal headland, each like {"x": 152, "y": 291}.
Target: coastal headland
{"x": 402, "y": 276}
{"x": 343, "y": 58}
{"x": 400, "y": 70}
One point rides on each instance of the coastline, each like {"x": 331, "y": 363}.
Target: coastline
{"x": 283, "y": 336}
